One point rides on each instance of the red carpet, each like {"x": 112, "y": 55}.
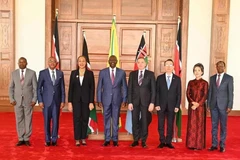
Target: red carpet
{"x": 67, "y": 150}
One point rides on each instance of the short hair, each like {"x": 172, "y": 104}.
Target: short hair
{"x": 168, "y": 60}
{"x": 219, "y": 62}
{"x": 23, "y": 58}
{"x": 200, "y": 66}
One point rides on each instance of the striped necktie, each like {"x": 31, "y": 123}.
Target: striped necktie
{"x": 140, "y": 78}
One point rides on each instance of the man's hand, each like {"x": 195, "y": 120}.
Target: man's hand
{"x": 130, "y": 106}
{"x": 13, "y": 103}
{"x": 70, "y": 108}
{"x": 100, "y": 105}
{"x": 41, "y": 105}
{"x": 62, "y": 105}
{"x": 229, "y": 110}
{"x": 33, "y": 104}
{"x": 176, "y": 110}
{"x": 150, "y": 107}
{"x": 91, "y": 106}
{"x": 158, "y": 108}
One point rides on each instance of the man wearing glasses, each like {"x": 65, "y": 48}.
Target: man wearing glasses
{"x": 168, "y": 98}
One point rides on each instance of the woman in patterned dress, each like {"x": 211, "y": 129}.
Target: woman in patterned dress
{"x": 197, "y": 91}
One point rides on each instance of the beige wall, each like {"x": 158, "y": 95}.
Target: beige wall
{"x": 199, "y": 37}
{"x": 30, "y": 37}
{"x": 234, "y": 50}
{"x": 30, "y": 32}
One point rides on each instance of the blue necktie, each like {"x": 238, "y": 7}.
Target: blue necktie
{"x": 53, "y": 77}
{"x": 168, "y": 82}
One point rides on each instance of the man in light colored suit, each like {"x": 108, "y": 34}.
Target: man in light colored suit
{"x": 51, "y": 98}
{"x": 111, "y": 94}
{"x": 23, "y": 96}
{"x": 220, "y": 103}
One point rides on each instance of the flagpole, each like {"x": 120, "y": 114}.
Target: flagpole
{"x": 175, "y": 137}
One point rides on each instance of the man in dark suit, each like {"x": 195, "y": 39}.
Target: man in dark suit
{"x": 168, "y": 98}
{"x": 23, "y": 96}
{"x": 141, "y": 98}
{"x": 51, "y": 98}
{"x": 111, "y": 95}
{"x": 220, "y": 103}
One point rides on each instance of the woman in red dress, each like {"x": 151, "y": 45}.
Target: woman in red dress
{"x": 197, "y": 91}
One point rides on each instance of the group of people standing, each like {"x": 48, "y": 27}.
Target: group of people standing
{"x": 142, "y": 94}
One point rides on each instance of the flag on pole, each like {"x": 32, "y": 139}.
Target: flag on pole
{"x": 113, "y": 50}
{"x": 178, "y": 69}
{"x": 141, "y": 52}
{"x": 55, "y": 43}
{"x": 92, "y": 122}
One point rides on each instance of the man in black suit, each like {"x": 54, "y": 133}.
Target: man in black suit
{"x": 141, "y": 98}
{"x": 168, "y": 97}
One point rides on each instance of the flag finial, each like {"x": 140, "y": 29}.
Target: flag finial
{"x": 56, "y": 12}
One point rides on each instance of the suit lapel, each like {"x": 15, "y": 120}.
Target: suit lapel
{"x": 48, "y": 75}
{"x": 165, "y": 82}
{"x": 17, "y": 74}
{"x": 223, "y": 80}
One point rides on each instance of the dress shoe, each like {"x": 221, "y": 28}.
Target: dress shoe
{"x": 134, "y": 144}
{"x": 222, "y": 149}
{"x": 47, "y": 144}
{"x": 84, "y": 142}
{"x": 161, "y": 145}
{"x": 106, "y": 143}
{"x": 54, "y": 143}
{"x": 115, "y": 143}
{"x": 212, "y": 148}
{"x": 144, "y": 145}
{"x": 27, "y": 143}
{"x": 169, "y": 145}
{"x": 19, "y": 143}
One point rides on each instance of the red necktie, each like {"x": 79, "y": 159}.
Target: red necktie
{"x": 218, "y": 80}
{"x": 112, "y": 76}
{"x": 22, "y": 78}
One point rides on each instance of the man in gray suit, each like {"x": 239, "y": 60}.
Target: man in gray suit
{"x": 220, "y": 103}
{"x": 23, "y": 96}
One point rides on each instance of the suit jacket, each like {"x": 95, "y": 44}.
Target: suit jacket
{"x": 222, "y": 95}
{"x": 47, "y": 92}
{"x": 84, "y": 92}
{"x": 144, "y": 94}
{"x": 168, "y": 98}
{"x": 107, "y": 92}
{"x": 26, "y": 92}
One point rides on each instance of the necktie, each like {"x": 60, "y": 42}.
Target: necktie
{"x": 168, "y": 82}
{"x": 22, "y": 77}
{"x": 140, "y": 79}
{"x": 112, "y": 76}
{"x": 218, "y": 80}
{"x": 53, "y": 78}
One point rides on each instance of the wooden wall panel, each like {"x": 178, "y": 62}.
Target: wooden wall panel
{"x": 168, "y": 9}
{"x": 165, "y": 44}
{"x": 67, "y": 43}
{"x": 95, "y": 9}
{"x": 67, "y": 9}
{"x": 130, "y": 36}
{"x": 137, "y": 9}
{"x": 220, "y": 27}
{"x": 7, "y": 45}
